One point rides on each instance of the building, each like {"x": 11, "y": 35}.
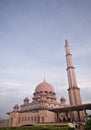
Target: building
{"x": 44, "y": 106}
{"x": 37, "y": 111}
{"x": 3, "y": 122}
{"x": 73, "y": 90}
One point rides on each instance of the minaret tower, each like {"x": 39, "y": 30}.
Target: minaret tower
{"x": 73, "y": 90}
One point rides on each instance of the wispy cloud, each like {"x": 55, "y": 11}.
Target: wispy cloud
{"x": 32, "y": 38}
{"x": 82, "y": 50}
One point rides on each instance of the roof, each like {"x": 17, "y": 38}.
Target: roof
{"x": 44, "y": 86}
{"x": 73, "y": 108}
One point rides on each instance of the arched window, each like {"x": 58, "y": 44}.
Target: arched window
{"x": 35, "y": 118}
{"x": 11, "y": 121}
{"x": 25, "y": 118}
{"x": 64, "y": 119}
{"x": 38, "y": 119}
{"x": 29, "y": 118}
{"x": 42, "y": 119}
{"x": 19, "y": 120}
{"x": 22, "y": 118}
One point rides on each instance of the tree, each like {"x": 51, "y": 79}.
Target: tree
{"x": 88, "y": 124}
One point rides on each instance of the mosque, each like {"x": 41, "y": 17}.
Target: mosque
{"x": 44, "y": 107}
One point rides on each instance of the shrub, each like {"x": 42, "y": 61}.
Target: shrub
{"x": 38, "y": 128}
{"x": 88, "y": 124}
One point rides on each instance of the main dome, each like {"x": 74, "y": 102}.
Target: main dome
{"x": 44, "y": 87}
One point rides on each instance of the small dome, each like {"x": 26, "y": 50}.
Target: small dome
{"x": 62, "y": 98}
{"x": 26, "y": 99}
{"x": 16, "y": 106}
{"x": 44, "y": 87}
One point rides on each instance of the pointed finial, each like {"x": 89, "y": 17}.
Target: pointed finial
{"x": 44, "y": 79}
{"x": 66, "y": 43}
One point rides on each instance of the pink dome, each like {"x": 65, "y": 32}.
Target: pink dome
{"x": 62, "y": 98}
{"x": 16, "y": 106}
{"x": 44, "y": 87}
{"x": 26, "y": 99}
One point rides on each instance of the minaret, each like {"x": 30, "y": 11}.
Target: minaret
{"x": 73, "y": 90}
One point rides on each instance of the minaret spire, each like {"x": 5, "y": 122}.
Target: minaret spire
{"x": 44, "y": 79}
{"x": 70, "y": 68}
{"x": 66, "y": 42}
{"x": 73, "y": 90}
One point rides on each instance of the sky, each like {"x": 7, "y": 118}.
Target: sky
{"x": 32, "y": 39}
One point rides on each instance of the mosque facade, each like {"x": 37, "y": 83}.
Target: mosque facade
{"x": 39, "y": 110}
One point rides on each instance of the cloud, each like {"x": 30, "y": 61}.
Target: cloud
{"x": 12, "y": 93}
{"x": 81, "y": 50}
{"x": 32, "y": 44}
{"x": 86, "y": 95}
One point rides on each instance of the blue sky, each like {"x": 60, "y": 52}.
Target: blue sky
{"x": 32, "y": 36}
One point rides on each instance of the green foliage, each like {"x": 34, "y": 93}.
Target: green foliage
{"x": 37, "y": 128}
{"x": 88, "y": 125}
